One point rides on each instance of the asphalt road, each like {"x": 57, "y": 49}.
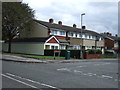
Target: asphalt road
{"x": 102, "y": 74}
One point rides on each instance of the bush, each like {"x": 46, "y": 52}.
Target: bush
{"x": 98, "y": 51}
{"x": 92, "y": 51}
{"x": 73, "y": 53}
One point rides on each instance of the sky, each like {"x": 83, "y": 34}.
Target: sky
{"x": 100, "y": 16}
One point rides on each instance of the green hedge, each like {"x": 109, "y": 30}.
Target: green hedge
{"x": 73, "y": 53}
{"x": 91, "y": 51}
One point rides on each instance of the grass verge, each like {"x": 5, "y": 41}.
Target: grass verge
{"x": 38, "y": 57}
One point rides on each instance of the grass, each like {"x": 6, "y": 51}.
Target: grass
{"x": 38, "y": 57}
{"x": 108, "y": 56}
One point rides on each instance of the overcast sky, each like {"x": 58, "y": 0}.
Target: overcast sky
{"x": 99, "y": 16}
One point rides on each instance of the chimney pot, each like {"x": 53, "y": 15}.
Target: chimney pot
{"x": 116, "y": 35}
{"x": 74, "y": 25}
{"x": 83, "y": 27}
{"x": 60, "y": 22}
{"x": 51, "y": 20}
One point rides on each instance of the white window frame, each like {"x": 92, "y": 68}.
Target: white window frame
{"x": 62, "y": 33}
{"x": 54, "y": 32}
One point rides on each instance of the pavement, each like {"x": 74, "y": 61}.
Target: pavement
{"x": 17, "y": 58}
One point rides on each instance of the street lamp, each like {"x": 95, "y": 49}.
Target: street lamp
{"x": 81, "y": 53}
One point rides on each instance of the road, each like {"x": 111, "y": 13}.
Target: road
{"x": 97, "y": 74}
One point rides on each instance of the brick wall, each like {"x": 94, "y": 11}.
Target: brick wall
{"x": 92, "y": 56}
{"x": 109, "y": 44}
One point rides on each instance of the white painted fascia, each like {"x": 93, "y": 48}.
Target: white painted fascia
{"x": 55, "y": 44}
{"x": 51, "y": 38}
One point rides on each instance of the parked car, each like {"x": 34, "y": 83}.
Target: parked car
{"x": 110, "y": 52}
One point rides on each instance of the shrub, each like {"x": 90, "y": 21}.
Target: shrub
{"x": 98, "y": 51}
{"x": 92, "y": 51}
{"x": 73, "y": 53}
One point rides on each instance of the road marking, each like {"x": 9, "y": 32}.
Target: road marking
{"x": 104, "y": 76}
{"x": 18, "y": 81}
{"x": 116, "y": 79}
{"x": 81, "y": 66}
{"x": 90, "y": 75}
{"x": 63, "y": 69}
{"x": 43, "y": 84}
{"x": 77, "y": 71}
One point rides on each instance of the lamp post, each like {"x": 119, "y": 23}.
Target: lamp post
{"x": 81, "y": 53}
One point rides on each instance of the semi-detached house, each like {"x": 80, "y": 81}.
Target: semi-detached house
{"x": 58, "y": 36}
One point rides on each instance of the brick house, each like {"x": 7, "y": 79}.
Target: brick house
{"x": 111, "y": 42}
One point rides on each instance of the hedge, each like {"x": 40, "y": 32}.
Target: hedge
{"x": 73, "y": 53}
{"x": 93, "y": 51}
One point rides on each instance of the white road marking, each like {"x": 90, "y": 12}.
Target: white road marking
{"x": 101, "y": 64}
{"x": 104, "y": 76}
{"x": 116, "y": 79}
{"x": 18, "y": 81}
{"x": 94, "y": 74}
{"x": 81, "y": 66}
{"x": 77, "y": 71}
{"x": 90, "y": 75}
{"x": 63, "y": 69}
{"x": 43, "y": 84}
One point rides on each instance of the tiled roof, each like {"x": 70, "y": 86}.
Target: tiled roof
{"x": 42, "y": 40}
{"x": 62, "y": 41}
{"x": 111, "y": 37}
{"x": 66, "y": 28}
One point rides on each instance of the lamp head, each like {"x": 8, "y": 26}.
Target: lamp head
{"x": 83, "y": 14}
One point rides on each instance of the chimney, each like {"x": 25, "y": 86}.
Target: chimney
{"x": 74, "y": 25}
{"x": 107, "y": 33}
{"x": 116, "y": 35}
{"x": 60, "y": 22}
{"x": 110, "y": 34}
{"x": 83, "y": 27}
{"x": 51, "y": 20}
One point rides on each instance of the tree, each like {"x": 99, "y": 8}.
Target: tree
{"x": 15, "y": 16}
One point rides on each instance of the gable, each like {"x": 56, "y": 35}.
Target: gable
{"x": 52, "y": 40}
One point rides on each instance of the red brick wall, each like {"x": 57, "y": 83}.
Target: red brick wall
{"x": 92, "y": 56}
{"x": 109, "y": 43}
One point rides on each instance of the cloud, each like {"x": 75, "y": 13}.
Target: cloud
{"x": 100, "y": 16}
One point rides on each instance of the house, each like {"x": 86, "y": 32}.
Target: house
{"x": 68, "y": 34}
{"x": 111, "y": 42}
{"x": 49, "y": 35}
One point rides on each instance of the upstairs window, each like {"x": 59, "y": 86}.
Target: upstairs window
{"x": 85, "y": 35}
{"x": 54, "y": 32}
{"x": 71, "y": 34}
{"x": 62, "y": 33}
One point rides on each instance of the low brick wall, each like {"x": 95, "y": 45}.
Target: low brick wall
{"x": 92, "y": 56}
